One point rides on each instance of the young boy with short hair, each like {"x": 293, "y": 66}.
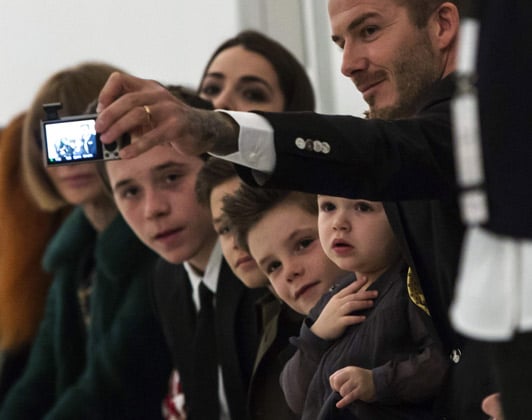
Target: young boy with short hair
{"x": 280, "y": 230}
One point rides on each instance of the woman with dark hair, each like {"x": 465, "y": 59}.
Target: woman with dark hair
{"x": 276, "y": 69}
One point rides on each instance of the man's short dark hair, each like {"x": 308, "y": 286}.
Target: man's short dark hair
{"x": 213, "y": 173}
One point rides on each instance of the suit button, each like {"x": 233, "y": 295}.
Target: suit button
{"x": 325, "y": 147}
{"x": 317, "y": 146}
{"x": 300, "y": 143}
{"x": 455, "y": 355}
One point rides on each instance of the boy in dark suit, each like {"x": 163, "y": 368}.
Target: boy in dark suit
{"x": 155, "y": 193}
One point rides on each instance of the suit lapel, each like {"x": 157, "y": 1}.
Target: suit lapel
{"x": 177, "y": 313}
{"x": 228, "y": 296}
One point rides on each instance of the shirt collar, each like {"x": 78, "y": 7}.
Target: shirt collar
{"x": 210, "y": 277}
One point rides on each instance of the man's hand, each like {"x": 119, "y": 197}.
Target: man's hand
{"x": 336, "y": 315}
{"x": 491, "y": 405}
{"x": 353, "y": 383}
{"x": 142, "y": 107}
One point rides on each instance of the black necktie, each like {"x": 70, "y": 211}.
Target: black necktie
{"x": 206, "y": 404}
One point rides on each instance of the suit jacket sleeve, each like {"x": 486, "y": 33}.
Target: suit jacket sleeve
{"x": 375, "y": 159}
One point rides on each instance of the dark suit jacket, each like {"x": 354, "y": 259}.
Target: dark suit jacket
{"x": 279, "y": 323}
{"x": 236, "y": 324}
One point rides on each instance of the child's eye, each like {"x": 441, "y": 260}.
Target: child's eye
{"x": 130, "y": 192}
{"x": 363, "y": 207}
{"x": 172, "y": 177}
{"x": 327, "y": 206}
{"x": 304, "y": 243}
{"x": 271, "y": 267}
{"x": 223, "y": 229}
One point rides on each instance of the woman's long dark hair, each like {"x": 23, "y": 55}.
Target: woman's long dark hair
{"x": 293, "y": 79}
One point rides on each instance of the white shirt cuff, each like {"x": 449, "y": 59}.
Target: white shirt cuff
{"x": 256, "y": 149}
{"x": 494, "y": 290}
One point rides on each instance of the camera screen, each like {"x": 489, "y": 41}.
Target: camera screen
{"x": 71, "y": 140}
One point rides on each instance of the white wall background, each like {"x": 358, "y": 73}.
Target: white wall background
{"x": 167, "y": 40}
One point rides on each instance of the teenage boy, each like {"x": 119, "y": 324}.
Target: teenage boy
{"x": 155, "y": 194}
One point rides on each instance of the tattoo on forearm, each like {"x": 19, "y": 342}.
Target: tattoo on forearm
{"x": 220, "y": 133}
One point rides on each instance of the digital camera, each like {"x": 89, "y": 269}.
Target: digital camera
{"x": 74, "y": 139}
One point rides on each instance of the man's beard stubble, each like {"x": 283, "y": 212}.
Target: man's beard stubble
{"x": 416, "y": 70}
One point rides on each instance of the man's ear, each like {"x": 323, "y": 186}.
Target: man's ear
{"x": 443, "y": 25}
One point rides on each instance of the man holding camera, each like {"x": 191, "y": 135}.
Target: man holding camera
{"x": 400, "y": 55}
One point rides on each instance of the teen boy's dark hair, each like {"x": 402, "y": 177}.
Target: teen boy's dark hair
{"x": 213, "y": 173}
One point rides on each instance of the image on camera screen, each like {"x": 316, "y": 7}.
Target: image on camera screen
{"x": 71, "y": 141}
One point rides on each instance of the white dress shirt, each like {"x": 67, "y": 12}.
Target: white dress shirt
{"x": 494, "y": 288}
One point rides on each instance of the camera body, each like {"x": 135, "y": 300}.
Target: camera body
{"x": 72, "y": 140}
